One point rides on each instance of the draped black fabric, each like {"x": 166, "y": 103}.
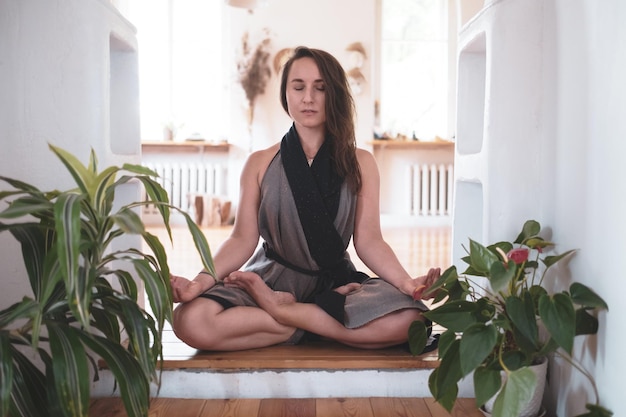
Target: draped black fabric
{"x": 316, "y": 191}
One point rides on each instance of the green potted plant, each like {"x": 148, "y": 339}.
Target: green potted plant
{"x": 84, "y": 293}
{"x": 500, "y": 325}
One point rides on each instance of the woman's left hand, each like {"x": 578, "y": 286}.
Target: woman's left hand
{"x": 418, "y": 285}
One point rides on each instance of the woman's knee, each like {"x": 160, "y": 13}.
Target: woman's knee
{"x": 191, "y": 322}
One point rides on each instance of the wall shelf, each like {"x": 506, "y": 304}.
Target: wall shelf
{"x": 412, "y": 144}
{"x": 184, "y": 147}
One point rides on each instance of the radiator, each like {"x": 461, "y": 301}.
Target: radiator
{"x": 431, "y": 189}
{"x": 181, "y": 180}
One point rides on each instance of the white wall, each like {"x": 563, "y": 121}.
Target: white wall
{"x": 323, "y": 24}
{"x": 589, "y": 60}
{"x": 65, "y": 83}
{"x": 550, "y": 148}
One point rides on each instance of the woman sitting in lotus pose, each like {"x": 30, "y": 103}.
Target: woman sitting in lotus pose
{"x": 306, "y": 197}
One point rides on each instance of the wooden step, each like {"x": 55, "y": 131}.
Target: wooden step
{"x": 311, "y": 355}
{"x": 312, "y": 370}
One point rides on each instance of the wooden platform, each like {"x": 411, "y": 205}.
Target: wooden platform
{"x": 311, "y": 355}
{"x": 309, "y": 407}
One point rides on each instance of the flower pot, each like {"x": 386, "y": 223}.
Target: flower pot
{"x": 542, "y": 412}
{"x": 533, "y": 408}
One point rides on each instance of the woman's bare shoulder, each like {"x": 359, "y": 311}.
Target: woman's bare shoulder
{"x": 264, "y": 156}
{"x": 365, "y": 158}
{"x": 258, "y": 161}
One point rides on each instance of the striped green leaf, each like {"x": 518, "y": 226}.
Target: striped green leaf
{"x": 24, "y": 309}
{"x": 26, "y": 206}
{"x": 82, "y": 176}
{"x": 6, "y": 372}
{"x": 28, "y": 397}
{"x": 201, "y": 244}
{"x": 70, "y": 370}
{"x": 137, "y": 324}
{"x": 67, "y": 216}
{"x": 158, "y": 290}
{"x": 19, "y": 185}
{"x": 128, "y": 221}
{"x": 106, "y": 322}
{"x": 100, "y": 197}
{"x": 140, "y": 170}
{"x": 134, "y": 387}
{"x": 32, "y": 238}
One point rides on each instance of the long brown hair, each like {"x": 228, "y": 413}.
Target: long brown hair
{"x": 340, "y": 111}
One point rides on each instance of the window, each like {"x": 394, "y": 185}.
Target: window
{"x": 414, "y": 69}
{"x": 181, "y": 76}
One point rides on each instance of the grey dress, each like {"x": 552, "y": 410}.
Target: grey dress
{"x": 280, "y": 227}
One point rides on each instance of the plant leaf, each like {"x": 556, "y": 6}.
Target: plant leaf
{"x": 34, "y": 245}
{"x": 548, "y": 261}
{"x": 531, "y": 228}
{"x": 559, "y": 318}
{"x": 158, "y": 290}
{"x": 501, "y": 275}
{"x": 445, "y": 341}
{"x": 521, "y": 311}
{"x": 487, "y": 382}
{"x": 477, "y": 343}
{"x": 447, "y": 398}
{"x": 29, "y": 388}
{"x": 455, "y": 315}
{"x": 201, "y": 244}
{"x": 67, "y": 225}
{"x": 70, "y": 370}
{"x": 129, "y": 221}
{"x": 418, "y": 337}
{"x": 596, "y": 411}
{"x": 586, "y": 297}
{"x": 82, "y": 176}
{"x": 137, "y": 326}
{"x": 481, "y": 258}
{"x": 20, "y": 185}
{"x": 134, "y": 387}
{"x": 516, "y": 393}
{"x": 585, "y": 322}
{"x": 101, "y": 192}
{"x": 448, "y": 276}
{"x": 6, "y": 372}
{"x": 448, "y": 374}
{"x": 26, "y": 206}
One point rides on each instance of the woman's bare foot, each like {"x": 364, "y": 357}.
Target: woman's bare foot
{"x": 348, "y": 288}
{"x": 268, "y": 299}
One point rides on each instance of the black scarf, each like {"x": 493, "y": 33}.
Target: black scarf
{"x": 316, "y": 191}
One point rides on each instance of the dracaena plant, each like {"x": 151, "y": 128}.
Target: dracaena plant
{"x": 84, "y": 302}
{"x": 505, "y": 322}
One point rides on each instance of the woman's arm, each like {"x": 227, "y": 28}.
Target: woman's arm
{"x": 369, "y": 243}
{"x": 244, "y": 238}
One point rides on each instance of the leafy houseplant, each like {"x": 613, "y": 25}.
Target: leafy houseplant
{"x": 506, "y": 326}
{"x": 84, "y": 293}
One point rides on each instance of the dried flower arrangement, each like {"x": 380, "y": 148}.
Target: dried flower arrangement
{"x": 254, "y": 69}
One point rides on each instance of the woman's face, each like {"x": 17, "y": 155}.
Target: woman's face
{"x": 305, "y": 93}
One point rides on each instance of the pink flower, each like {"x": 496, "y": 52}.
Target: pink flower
{"x": 519, "y": 255}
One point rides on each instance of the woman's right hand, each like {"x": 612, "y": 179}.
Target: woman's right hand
{"x": 185, "y": 290}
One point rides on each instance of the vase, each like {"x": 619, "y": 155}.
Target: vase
{"x": 533, "y": 408}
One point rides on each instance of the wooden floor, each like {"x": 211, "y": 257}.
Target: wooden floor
{"x": 418, "y": 248}
{"x": 307, "y": 407}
